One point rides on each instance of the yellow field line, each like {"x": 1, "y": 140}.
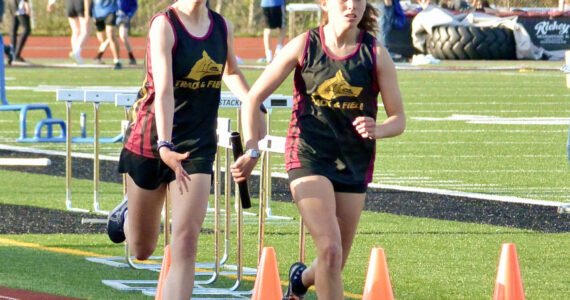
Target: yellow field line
{"x": 14, "y": 243}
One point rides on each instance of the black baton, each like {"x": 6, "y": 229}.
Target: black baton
{"x": 237, "y": 148}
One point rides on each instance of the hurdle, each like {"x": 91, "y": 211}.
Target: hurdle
{"x": 224, "y": 146}
{"x": 267, "y": 145}
{"x": 149, "y": 287}
{"x": 95, "y": 97}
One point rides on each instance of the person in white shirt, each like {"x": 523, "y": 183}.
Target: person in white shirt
{"x": 79, "y": 14}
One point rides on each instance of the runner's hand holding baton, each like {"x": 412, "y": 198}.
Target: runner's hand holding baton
{"x": 237, "y": 148}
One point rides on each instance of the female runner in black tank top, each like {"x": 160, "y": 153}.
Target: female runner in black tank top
{"x": 171, "y": 142}
{"x": 339, "y": 71}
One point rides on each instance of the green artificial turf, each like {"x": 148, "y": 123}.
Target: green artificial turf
{"x": 442, "y": 148}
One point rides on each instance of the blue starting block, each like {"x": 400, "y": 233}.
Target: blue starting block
{"x": 49, "y": 137}
{"x": 22, "y": 108}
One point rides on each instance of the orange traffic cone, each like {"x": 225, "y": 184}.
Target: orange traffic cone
{"x": 377, "y": 286}
{"x": 267, "y": 283}
{"x": 508, "y": 285}
{"x": 163, "y": 272}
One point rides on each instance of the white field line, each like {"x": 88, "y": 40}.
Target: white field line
{"x": 453, "y": 193}
{"x": 468, "y": 195}
{"x": 405, "y": 178}
{"x": 25, "y": 162}
{"x": 54, "y": 88}
{"x": 373, "y": 185}
{"x": 547, "y": 188}
{"x": 478, "y": 119}
{"x": 485, "y": 130}
{"x": 477, "y": 143}
{"x": 485, "y": 111}
{"x": 472, "y": 156}
{"x": 57, "y": 153}
{"x": 484, "y": 103}
{"x": 484, "y": 171}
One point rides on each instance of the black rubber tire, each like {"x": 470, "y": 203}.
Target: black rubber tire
{"x": 470, "y": 42}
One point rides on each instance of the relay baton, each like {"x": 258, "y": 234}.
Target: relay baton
{"x": 237, "y": 148}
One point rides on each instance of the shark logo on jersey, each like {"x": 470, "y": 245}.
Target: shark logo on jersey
{"x": 337, "y": 87}
{"x": 204, "y": 67}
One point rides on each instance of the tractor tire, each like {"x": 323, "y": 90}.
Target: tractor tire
{"x": 470, "y": 42}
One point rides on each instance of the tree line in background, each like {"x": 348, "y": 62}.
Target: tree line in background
{"x": 244, "y": 14}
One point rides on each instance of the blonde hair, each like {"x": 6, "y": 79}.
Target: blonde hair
{"x": 369, "y": 20}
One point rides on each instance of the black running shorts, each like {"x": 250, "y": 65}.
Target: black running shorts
{"x": 274, "y": 17}
{"x": 337, "y": 186}
{"x": 109, "y": 20}
{"x": 150, "y": 173}
{"x": 75, "y": 8}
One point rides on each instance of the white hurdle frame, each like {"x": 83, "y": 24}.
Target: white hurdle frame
{"x": 96, "y": 97}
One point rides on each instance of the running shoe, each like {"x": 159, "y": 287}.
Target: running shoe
{"x": 115, "y": 222}
{"x": 296, "y": 289}
{"x": 9, "y": 51}
{"x": 76, "y": 56}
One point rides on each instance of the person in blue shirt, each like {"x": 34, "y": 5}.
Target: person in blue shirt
{"x": 386, "y": 9}
{"x": 127, "y": 9}
{"x": 105, "y": 14}
{"x": 274, "y": 15}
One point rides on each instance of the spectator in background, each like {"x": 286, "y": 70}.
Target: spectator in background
{"x": 127, "y": 9}
{"x": 105, "y": 14}
{"x": 424, "y": 3}
{"x": 563, "y": 5}
{"x": 20, "y": 11}
{"x": 8, "y": 49}
{"x": 78, "y": 15}
{"x": 274, "y": 15}
{"x": 457, "y": 5}
{"x": 386, "y": 10}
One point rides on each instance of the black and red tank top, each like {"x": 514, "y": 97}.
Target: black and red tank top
{"x": 329, "y": 93}
{"x": 197, "y": 68}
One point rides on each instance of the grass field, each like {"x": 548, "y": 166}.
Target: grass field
{"x": 492, "y": 132}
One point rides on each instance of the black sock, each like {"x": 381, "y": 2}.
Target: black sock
{"x": 298, "y": 287}
{"x": 131, "y": 56}
{"x": 99, "y": 55}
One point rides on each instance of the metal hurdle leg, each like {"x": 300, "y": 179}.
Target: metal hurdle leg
{"x": 69, "y": 96}
{"x": 302, "y": 237}
{"x": 267, "y": 175}
{"x": 98, "y": 97}
{"x": 262, "y": 197}
{"x": 96, "y": 207}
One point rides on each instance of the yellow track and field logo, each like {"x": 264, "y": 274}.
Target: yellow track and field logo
{"x": 334, "y": 88}
{"x": 337, "y": 87}
{"x": 204, "y": 67}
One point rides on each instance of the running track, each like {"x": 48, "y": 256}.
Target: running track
{"x": 59, "y": 47}
{"x": 16, "y": 294}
